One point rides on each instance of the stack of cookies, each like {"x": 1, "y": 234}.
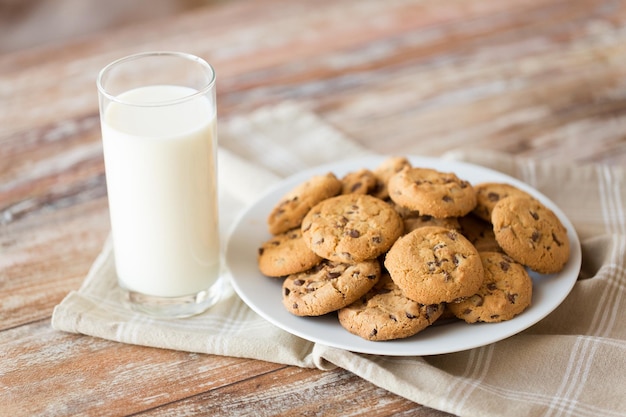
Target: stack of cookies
{"x": 393, "y": 249}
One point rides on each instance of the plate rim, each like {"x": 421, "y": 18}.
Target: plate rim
{"x": 378, "y": 348}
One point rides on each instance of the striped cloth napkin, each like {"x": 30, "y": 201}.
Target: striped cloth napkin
{"x": 569, "y": 364}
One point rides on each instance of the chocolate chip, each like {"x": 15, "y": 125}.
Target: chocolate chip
{"x": 287, "y": 291}
{"x": 356, "y": 186}
{"x": 431, "y": 310}
{"x": 392, "y": 317}
{"x": 377, "y": 239}
{"x": 447, "y": 199}
{"x": 298, "y": 282}
{"x": 371, "y": 277}
{"x": 556, "y": 240}
{"x": 439, "y": 246}
{"x": 409, "y": 315}
{"x": 535, "y": 236}
{"x": 512, "y": 298}
{"x": 504, "y": 266}
{"x": 261, "y": 250}
{"x": 373, "y": 332}
{"x": 354, "y": 233}
{"x": 491, "y": 196}
{"x": 491, "y": 286}
{"x": 534, "y": 215}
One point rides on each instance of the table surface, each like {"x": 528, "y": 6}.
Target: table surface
{"x": 540, "y": 78}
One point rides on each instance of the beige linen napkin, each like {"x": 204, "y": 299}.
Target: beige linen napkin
{"x": 571, "y": 363}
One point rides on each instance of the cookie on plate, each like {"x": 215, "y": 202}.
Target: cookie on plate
{"x": 328, "y": 286}
{"x": 530, "y": 233}
{"x": 385, "y": 170}
{"x": 385, "y": 313}
{"x": 479, "y": 233}
{"x": 433, "y": 265}
{"x": 351, "y": 228}
{"x": 432, "y": 193}
{"x": 294, "y": 205}
{"x": 362, "y": 181}
{"x": 286, "y": 254}
{"x": 489, "y": 193}
{"x": 415, "y": 221}
{"x": 505, "y": 293}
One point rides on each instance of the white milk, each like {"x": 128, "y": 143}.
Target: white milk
{"x": 160, "y": 167}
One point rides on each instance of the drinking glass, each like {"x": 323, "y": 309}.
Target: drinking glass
{"x": 158, "y": 118}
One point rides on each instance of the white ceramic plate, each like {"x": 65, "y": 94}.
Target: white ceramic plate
{"x": 263, "y": 294}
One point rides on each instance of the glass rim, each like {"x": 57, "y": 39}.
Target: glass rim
{"x": 190, "y": 57}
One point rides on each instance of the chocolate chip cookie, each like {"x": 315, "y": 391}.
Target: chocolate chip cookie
{"x": 432, "y": 193}
{"x": 328, "y": 286}
{"x": 489, "y": 193}
{"x": 351, "y": 228}
{"x": 479, "y": 233}
{"x": 362, "y": 181}
{"x": 385, "y": 313}
{"x": 433, "y": 264}
{"x": 505, "y": 292}
{"x": 385, "y": 170}
{"x": 286, "y": 254}
{"x": 294, "y": 205}
{"x": 530, "y": 233}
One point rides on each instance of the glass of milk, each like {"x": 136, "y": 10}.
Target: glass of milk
{"x": 158, "y": 119}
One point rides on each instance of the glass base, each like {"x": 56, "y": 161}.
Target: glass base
{"x": 174, "y": 307}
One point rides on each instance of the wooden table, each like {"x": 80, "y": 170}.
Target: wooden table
{"x": 539, "y": 78}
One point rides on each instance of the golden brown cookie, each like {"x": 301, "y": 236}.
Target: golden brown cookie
{"x": 530, "y": 233}
{"x": 479, "y": 233}
{"x": 328, "y": 286}
{"x": 385, "y": 313}
{"x": 505, "y": 293}
{"x": 489, "y": 193}
{"x": 415, "y": 221}
{"x": 362, "y": 181}
{"x": 385, "y": 171}
{"x": 432, "y": 193}
{"x": 351, "y": 228}
{"x": 286, "y": 254}
{"x": 434, "y": 264}
{"x": 294, "y": 205}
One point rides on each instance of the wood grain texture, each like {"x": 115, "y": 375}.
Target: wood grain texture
{"x": 539, "y": 78}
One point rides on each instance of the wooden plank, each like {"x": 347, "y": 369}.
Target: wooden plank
{"x": 46, "y": 372}
{"x": 297, "y": 392}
